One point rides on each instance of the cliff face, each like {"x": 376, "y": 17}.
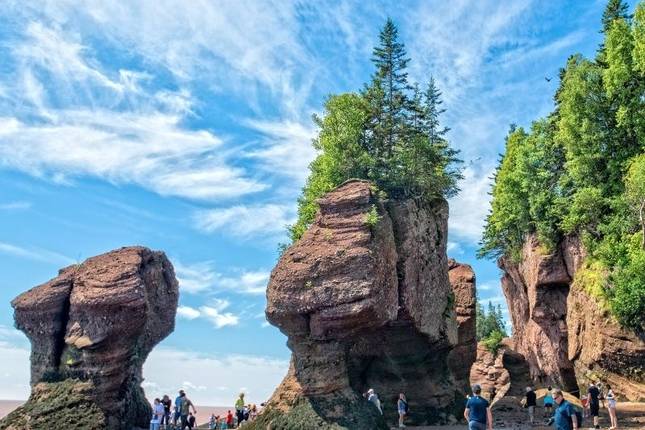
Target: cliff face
{"x": 91, "y": 328}
{"x": 367, "y": 305}
{"x": 564, "y": 334}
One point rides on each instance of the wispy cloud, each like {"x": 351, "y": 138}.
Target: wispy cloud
{"x": 34, "y": 253}
{"x": 247, "y": 221}
{"x": 203, "y": 277}
{"x": 15, "y": 206}
{"x": 468, "y": 210}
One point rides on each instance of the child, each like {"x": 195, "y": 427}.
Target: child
{"x": 548, "y": 403}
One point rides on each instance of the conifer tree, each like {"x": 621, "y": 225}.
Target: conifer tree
{"x": 615, "y": 9}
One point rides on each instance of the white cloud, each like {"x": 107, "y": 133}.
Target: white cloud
{"x": 187, "y": 312}
{"x": 246, "y": 221}
{"x": 287, "y": 147}
{"x": 36, "y": 254}
{"x": 488, "y": 286}
{"x": 170, "y": 369}
{"x": 468, "y": 210}
{"x": 202, "y": 277}
{"x": 17, "y": 205}
{"x": 14, "y": 377}
{"x": 216, "y": 314}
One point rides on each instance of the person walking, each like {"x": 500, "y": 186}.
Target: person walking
{"x": 593, "y": 396}
{"x": 372, "y": 397}
{"x": 530, "y": 403}
{"x": 239, "y": 409}
{"x": 157, "y": 413}
{"x": 167, "y": 403}
{"x": 611, "y": 405}
{"x": 402, "y": 407}
{"x": 548, "y": 403}
{"x": 477, "y": 413}
{"x": 184, "y": 408}
{"x": 565, "y": 417}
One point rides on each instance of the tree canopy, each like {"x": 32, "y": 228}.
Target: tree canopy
{"x": 388, "y": 133}
{"x": 570, "y": 173}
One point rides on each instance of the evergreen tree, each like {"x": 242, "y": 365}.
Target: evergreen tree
{"x": 615, "y": 9}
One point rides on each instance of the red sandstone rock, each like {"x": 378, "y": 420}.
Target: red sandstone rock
{"x": 565, "y": 335}
{"x": 506, "y": 372}
{"x": 97, "y": 322}
{"x": 367, "y": 306}
{"x": 462, "y": 280}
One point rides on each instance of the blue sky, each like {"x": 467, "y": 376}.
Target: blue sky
{"x": 186, "y": 127}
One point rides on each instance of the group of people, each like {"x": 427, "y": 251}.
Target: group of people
{"x": 401, "y": 405}
{"x": 182, "y": 415}
{"x": 179, "y": 417}
{"x": 561, "y": 413}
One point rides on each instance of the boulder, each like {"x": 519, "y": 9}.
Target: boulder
{"x": 91, "y": 329}
{"x": 366, "y": 303}
{"x": 505, "y": 373}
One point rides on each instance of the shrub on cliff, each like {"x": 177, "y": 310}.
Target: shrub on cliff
{"x": 388, "y": 133}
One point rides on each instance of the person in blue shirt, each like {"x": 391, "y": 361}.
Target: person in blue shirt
{"x": 477, "y": 413}
{"x": 548, "y": 403}
{"x": 565, "y": 415}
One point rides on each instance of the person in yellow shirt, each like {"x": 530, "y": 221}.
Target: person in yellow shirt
{"x": 239, "y": 409}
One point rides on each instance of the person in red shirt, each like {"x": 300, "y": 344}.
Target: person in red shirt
{"x": 229, "y": 420}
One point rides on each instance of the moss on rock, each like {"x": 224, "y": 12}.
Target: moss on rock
{"x": 63, "y": 405}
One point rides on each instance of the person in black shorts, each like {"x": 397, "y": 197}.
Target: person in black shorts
{"x": 594, "y": 403}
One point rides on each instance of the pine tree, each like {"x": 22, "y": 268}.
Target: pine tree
{"x": 387, "y": 94}
{"x": 615, "y": 9}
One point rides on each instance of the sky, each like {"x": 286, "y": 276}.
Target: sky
{"x": 186, "y": 127}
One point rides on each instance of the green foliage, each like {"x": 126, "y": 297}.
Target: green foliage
{"x": 388, "y": 134}
{"x": 372, "y": 217}
{"x": 489, "y": 322}
{"x": 581, "y": 171}
{"x": 494, "y": 341}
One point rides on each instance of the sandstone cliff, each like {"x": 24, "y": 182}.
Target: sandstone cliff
{"x": 91, "y": 328}
{"x": 368, "y": 304}
{"x": 565, "y": 335}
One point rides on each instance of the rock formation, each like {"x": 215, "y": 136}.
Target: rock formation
{"x": 91, "y": 328}
{"x": 565, "y": 335}
{"x": 462, "y": 280}
{"x": 365, "y": 304}
{"x": 506, "y": 373}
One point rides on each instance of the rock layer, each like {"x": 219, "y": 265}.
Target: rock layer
{"x": 94, "y": 325}
{"x": 366, "y": 303}
{"x": 565, "y": 335}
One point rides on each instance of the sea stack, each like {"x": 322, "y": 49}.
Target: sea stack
{"x": 91, "y": 329}
{"x": 366, "y": 302}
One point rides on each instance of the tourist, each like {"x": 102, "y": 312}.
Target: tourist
{"x": 565, "y": 417}
{"x": 530, "y": 403}
{"x": 157, "y": 413}
{"x": 184, "y": 408}
{"x": 477, "y": 413}
{"x": 611, "y": 405}
{"x": 548, "y": 403}
{"x": 254, "y": 412}
{"x": 584, "y": 400}
{"x": 177, "y": 416}
{"x": 492, "y": 393}
{"x": 167, "y": 403}
{"x": 239, "y": 408}
{"x": 594, "y": 403}
{"x": 372, "y": 397}
{"x": 402, "y": 406}
{"x": 229, "y": 420}
{"x": 212, "y": 422}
